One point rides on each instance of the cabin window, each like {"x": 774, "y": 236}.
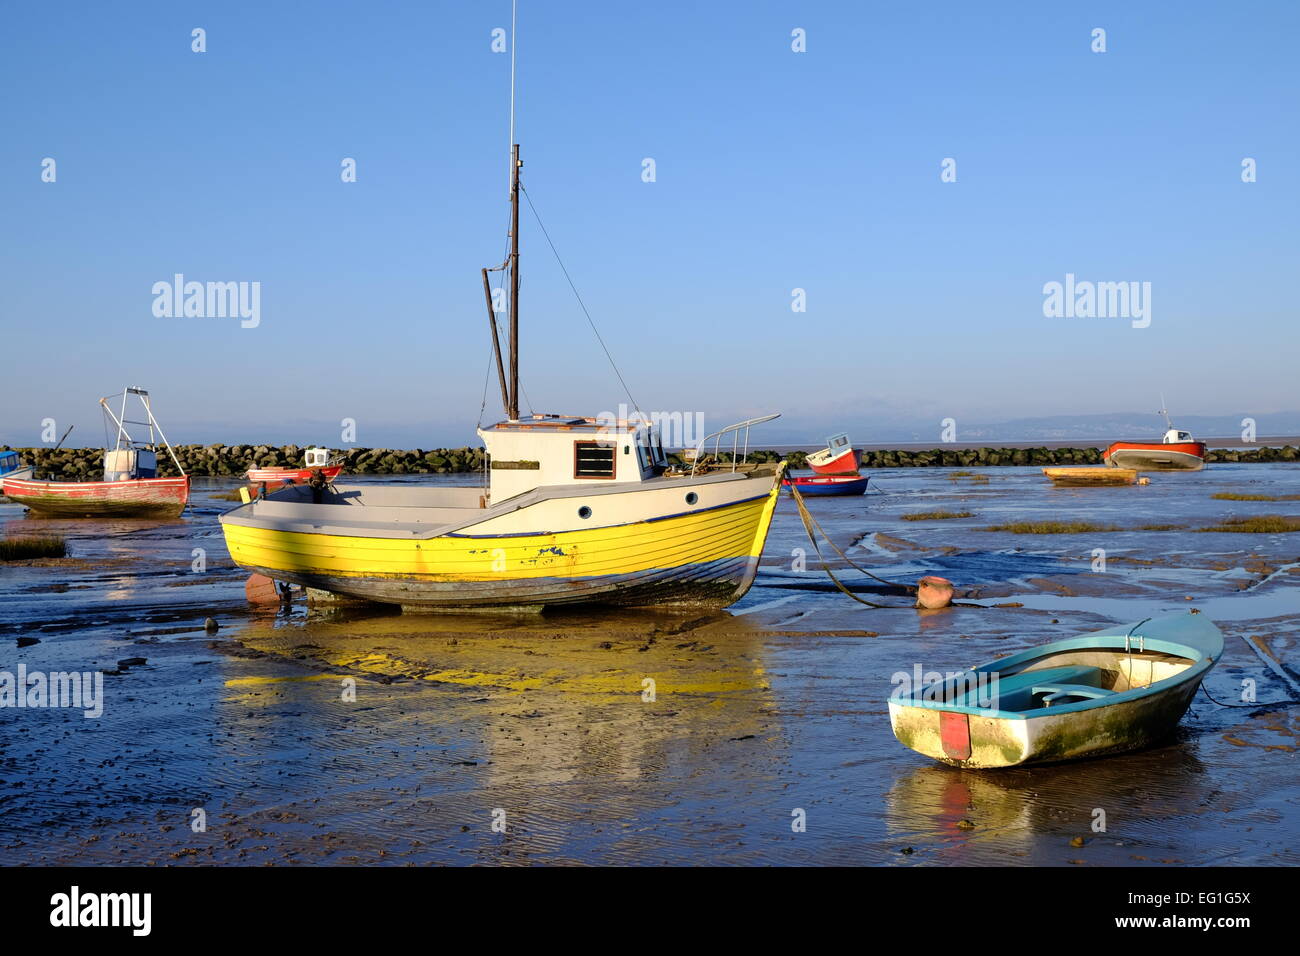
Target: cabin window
{"x": 591, "y": 459}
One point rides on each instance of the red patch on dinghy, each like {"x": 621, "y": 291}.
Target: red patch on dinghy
{"x": 954, "y": 734}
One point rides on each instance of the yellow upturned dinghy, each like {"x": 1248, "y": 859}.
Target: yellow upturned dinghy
{"x": 1110, "y": 691}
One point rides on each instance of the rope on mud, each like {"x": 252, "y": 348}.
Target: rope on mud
{"x": 1289, "y": 702}
{"x": 1261, "y": 705}
{"x": 809, "y": 522}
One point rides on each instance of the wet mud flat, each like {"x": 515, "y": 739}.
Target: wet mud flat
{"x": 326, "y": 737}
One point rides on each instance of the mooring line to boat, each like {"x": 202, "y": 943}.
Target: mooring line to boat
{"x": 1261, "y": 705}
{"x": 1266, "y": 658}
{"x": 809, "y": 522}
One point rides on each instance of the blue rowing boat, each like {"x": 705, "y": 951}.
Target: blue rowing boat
{"x": 1113, "y": 690}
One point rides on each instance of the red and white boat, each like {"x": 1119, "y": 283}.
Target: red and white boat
{"x": 1177, "y": 451}
{"x": 133, "y": 498}
{"x": 837, "y": 458}
{"x": 130, "y": 487}
{"x": 317, "y": 460}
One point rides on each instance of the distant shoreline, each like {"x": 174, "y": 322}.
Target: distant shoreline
{"x": 232, "y": 461}
{"x": 1234, "y": 443}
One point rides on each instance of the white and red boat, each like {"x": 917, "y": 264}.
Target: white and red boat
{"x": 837, "y": 458}
{"x": 316, "y": 460}
{"x": 1177, "y": 451}
{"x": 131, "y": 486}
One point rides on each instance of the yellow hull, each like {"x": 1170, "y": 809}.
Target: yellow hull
{"x": 704, "y": 557}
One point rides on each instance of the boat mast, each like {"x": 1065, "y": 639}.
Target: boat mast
{"x": 509, "y": 386}
{"x": 151, "y": 423}
{"x": 512, "y": 411}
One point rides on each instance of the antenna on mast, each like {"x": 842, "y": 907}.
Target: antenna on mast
{"x": 510, "y": 179}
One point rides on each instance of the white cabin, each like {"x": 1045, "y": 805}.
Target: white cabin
{"x": 129, "y": 464}
{"x": 1176, "y": 437}
{"x": 544, "y": 450}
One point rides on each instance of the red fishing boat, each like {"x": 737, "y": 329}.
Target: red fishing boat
{"x": 1177, "y": 451}
{"x": 131, "y": 486}
{"x": 131, "y": 498}
{"x": 317, "y": 460}
{"x": 837, "y": 458}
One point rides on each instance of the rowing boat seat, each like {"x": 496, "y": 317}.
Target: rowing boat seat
{"x": 1034, "y": 689}
{"x": 1061, "y": 693}
{"x": 1016, "y": 691}
{"x": 1074, "y": 674}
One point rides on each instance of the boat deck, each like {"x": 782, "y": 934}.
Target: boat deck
{"x": 405, "y": 512}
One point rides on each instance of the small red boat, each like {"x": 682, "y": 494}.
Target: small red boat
{"x": 1177, "y": 451}
{"x": 837, "y": 458}
{"x": 317, "y": 460}
{"x": 130, "y": 487}
{"x": 828, "y": 485}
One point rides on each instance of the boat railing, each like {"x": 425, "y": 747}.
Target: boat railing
{"x": 739, "y": 450}
{"x": 1142, "y": 641}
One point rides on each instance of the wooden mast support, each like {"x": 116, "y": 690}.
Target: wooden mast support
{"x": 512, "y": 406}
{"x": 496, "y": 340}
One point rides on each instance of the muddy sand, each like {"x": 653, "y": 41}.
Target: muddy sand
{"x": 327, "y": 737}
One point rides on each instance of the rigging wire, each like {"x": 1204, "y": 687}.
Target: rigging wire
{"x": 627, "y": 391}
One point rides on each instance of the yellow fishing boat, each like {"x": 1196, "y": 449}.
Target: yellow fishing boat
{"x": 575, "y": 510}
{"x": 595, "y": 515}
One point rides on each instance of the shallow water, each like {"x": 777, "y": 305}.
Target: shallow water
{"x": 545, "y": 722}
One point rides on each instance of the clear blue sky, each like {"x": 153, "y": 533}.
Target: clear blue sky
{"x": 775, "y": 170}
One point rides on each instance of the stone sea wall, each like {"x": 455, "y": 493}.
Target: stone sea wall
{"x": 231, "y": 461}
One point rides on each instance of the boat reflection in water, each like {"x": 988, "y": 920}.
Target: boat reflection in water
{"x": 956, "y": 817}
{"x": 605, "y": 697}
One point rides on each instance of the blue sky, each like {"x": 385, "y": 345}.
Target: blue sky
{"x": 775, "y": 170}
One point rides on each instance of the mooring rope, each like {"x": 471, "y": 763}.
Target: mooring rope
{"x": 809, "y": 522}
{"x": 1261, "y": 705}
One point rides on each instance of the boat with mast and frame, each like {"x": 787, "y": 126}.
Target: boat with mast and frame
{"x": 130, "y": 487}
{"x": 578, "y": 510}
